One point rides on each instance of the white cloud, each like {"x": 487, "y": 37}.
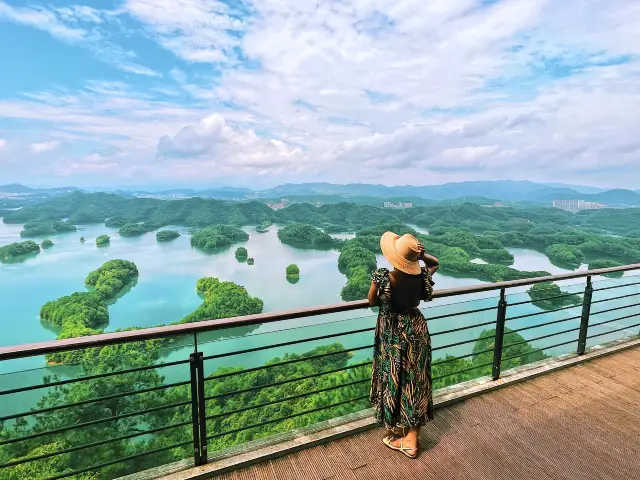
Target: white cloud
{"x": 451, "y": 89}
{"x": 2, "y": 143}
{"x": 77, "y": 25}
{"x": 42, "y": 19}
{"x": 214, "y": 143}
{"x": 42, "y": 147}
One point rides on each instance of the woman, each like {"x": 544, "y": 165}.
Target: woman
{"x": 401, "y": 380}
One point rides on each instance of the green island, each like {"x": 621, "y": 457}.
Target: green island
{"x": 293, "y": 271}
{"x": 37, "y": 229}
{"x": 263, "y": 227}
{"x": 46, "y": 243}
{"x": 357, "y": 261}
{"x": 549, "y": 296}
{"x": 218, "y": 236}
{"x": 598, "y": 264}
{"x": 14, "y": 251}
{"x": 167, "y": 235}
{"x": 241, "y": 254}
{"x": 132, "y": 230}
{"x": 102, "y": 240}
{"x": 110, "y": 279}
{"x": 250, "y": 261}
{"x": 306, "y": 236}
{"x": 568, "y": 255}
{"x": 86, "y": 313}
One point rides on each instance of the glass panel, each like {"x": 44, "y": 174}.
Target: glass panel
{"x": 609, "y": 313}
{"x": 61, "y": 417}
{"x": 447, "y": 368}
{"x": 550, "y": 311}
{"x": 295, "y": 394}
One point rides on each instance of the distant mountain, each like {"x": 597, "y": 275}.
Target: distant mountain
{"x": 577, "y": 188}
{"x": 508, "y": 190}
{"x": 15, "y": 188}
{"x": 502, "y": 190}
{"x": 611, "y": 198}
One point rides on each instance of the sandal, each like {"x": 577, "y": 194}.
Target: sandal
{"x": 387, "y": 441}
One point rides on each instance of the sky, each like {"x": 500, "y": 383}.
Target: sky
{"x": 262, "y": 92}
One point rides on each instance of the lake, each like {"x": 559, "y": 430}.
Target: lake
{"x": 165, "y": 293}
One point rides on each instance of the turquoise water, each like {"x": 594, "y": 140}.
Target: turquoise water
{"x": 165, "y": 292}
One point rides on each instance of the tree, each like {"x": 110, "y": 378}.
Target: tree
{"x": 250, "y": 261}
{"x": 241, "y": 254}
{"x": 46, "y": 243}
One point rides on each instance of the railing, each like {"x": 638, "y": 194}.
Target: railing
{"x": 121, "y": 402}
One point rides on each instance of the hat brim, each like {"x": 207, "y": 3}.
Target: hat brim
{"x": 388, "y": 247}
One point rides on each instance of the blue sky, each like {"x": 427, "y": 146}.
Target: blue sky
{"x": 256, "y": 93}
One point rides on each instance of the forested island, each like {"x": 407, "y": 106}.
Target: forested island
{"x": 132, "y": 230}
{"x": 598, "y": 264}
{"x": 37, "y": 229}
{"x": 293, "y": 273}
{"x": 46, "y": 243}
{"x": 549, "y": 296}
{"x": 167, "y": 235}
{"x": 306, "y": 236}
{"x": 218, "y": 236}
{"x": 241, "y": 254}
{"x": 14, "y": 251}
{"x": 102, "y": 240}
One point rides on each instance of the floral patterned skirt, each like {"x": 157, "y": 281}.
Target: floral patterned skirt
{"x": 401, "y": 389}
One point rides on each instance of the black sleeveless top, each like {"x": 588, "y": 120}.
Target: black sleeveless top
{"x": 407, "y": 292}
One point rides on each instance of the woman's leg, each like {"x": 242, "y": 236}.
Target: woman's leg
{"x": 411, "y": 441}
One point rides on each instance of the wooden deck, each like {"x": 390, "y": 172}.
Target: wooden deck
{"x": 582, "y": 422}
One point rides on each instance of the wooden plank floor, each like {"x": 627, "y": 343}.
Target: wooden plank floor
{"x": 579, "y": 423}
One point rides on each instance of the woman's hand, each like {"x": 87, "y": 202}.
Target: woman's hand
{"x": 421, "y": 251}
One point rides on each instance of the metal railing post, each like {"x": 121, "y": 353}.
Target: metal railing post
{"x": 584, "y": 319}
{"x": 497, "y": 347}
{"x": 202, "y": 415}
{"x": 195, "y": 424}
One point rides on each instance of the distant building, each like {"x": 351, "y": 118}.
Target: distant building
{"x": 276, "y": 206}
{"x": 397, "y": 205}
{"x": 576, "y": 205}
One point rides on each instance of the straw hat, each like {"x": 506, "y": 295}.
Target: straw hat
{"x": 401, "y": 251}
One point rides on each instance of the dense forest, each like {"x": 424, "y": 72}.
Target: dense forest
{"x": 341, "y": 387}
